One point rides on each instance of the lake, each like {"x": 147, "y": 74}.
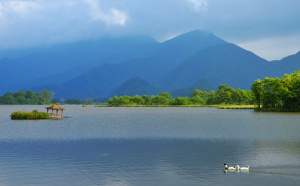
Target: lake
{"x": 149, "y": 146}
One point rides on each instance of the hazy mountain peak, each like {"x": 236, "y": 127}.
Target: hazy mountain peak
{"x": 195, "y": 36}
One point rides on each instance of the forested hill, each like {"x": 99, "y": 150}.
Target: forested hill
{"x": 220, "y": 64}
{"x": 113, "y": 66}
{"x": 102, "y": 80}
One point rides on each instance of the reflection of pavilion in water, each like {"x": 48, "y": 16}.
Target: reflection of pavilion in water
{"x": 57, "y": 114}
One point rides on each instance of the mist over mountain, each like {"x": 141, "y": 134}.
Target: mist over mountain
{"x": 58, "y": 64}
{"x": 134, "y": 65}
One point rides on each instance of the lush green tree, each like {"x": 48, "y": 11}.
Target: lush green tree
{"x": 212, "y": 98}
{"x": 138, "y": 100}
{"x": 257, "y": 90}
{"x": 160, "y": 100}
{"x": 224, "y": 94}
{"x": 165, "y": 94}
{"x": 120, "y": 101}
{"x": 203, "y": 94}
{"x": 28, "y": 97}
{"x": 9, "y": 99}
{"x": 46, "y": 96}
{"x": 278, "y": 94}
{"x": 197, "y": 100}
{"x": 180, "y": 101}
{"x": 147, "y": 99}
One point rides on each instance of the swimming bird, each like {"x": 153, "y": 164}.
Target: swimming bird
{"x": 229, "y": 168}
{"x": 242, "y": 168}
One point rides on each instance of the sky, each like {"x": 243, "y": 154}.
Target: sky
{"x": 269, "y": 28}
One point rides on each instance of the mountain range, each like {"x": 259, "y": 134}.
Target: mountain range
{"x": 140, "y": 65}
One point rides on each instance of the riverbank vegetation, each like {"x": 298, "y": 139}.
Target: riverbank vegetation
{"x": 20, "y": 115}
{"x": 224, "y": 95}
{"x": 278, "y": 94}
{"x": 27, "y": 98}
{"x": 269, "y": 94}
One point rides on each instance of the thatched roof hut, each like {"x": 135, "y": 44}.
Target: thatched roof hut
{"x": 55, "y": 107}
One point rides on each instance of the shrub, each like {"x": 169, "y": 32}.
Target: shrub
{"x": 19, "y": 115}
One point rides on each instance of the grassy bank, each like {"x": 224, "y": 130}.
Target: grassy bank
{"x": 236, "y": 107}
{"x": 20, "y": 115}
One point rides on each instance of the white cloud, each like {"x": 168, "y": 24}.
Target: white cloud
{"x": 113, "y": 16}
{"x": 274, "y": 48}
{"x": 26, "y": 23}
{"x": 1, "y": 9}
{"x": 198, "y": 5}
{"x": 18, "y": 8}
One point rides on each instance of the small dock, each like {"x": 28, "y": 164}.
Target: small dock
{"x": 55, "y": 114}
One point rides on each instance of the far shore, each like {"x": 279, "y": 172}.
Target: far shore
{"x": 216, "y": 106}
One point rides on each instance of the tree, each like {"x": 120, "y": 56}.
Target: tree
{"x": 147, "y": 99}
{"x": 278, "y": 94}
{"x": 224, "y": 94}
{"x": 138, "y": 100}
{"x": 180, "y": 101}
{"x": 211, "y": 98}
{"x": 160, "y": 100}
{"x": 197, "y": 100}
{"x": 166, "y": 95}
{"x": 46, "y": 96}
{"x": 257, "y": 89}
{"x": 203, "y": 94}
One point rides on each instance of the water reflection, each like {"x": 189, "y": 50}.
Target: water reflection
{"x": 149, "y": 146}
{"x": 137, "y": 162}
{"x": 129, "y": 123}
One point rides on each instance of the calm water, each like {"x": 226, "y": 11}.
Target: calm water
{"x": 149, "y": 146}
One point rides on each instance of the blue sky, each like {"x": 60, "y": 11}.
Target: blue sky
{"x": 269, "y": 28}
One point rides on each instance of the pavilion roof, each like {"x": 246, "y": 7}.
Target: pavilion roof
{"x": 55, "y": 107}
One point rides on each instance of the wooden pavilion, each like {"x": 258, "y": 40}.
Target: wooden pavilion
{"x": 53, "y": 108}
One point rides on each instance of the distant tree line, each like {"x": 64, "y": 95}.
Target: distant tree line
{"x": 269, "y": 94}
{"x": 224, "y": 95}
{"x": 45, "y": 97}
{"x": 278, "y": 94}
{"x": 27, "y": 98}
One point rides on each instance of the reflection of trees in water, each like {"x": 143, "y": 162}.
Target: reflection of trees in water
{"x": 191, "y": 158}
{"x": 151, "y": 161}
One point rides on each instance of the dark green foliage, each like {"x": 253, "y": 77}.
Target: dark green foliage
{"x": 224, "y": 95}
{"x": 165, "y": 94}
{"x": 27, "y": 98}
{"x": 120, "y": 101}
{"x": 180, "y": 101}
{"x": 19, "y": 115}
{"x": 275, "y": 94}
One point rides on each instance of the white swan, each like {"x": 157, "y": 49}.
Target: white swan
{"x": 242, "y": 168}
{"x": 229, "y": 168}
